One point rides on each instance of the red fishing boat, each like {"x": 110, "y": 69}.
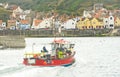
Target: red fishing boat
{"x": 62, "y": 54}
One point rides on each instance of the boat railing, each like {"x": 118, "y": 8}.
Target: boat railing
{"x": 55, "y": 57}
{"x": 30, "y": 55}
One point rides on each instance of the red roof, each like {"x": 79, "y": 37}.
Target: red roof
{"x": 37, "y": 22}
{"x": 60, "y": 41}
{"x": 0, "y": 21}
{"x": 24, "y": 21}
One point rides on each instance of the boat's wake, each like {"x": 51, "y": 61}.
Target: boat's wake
{"x": 12, "y": 69}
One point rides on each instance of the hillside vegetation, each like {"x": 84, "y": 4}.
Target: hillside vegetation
{"x": 63, "y": 6}
{"x": 4, "y": 14}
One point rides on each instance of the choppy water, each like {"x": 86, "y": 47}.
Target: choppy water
{"x": 95, "y": 57}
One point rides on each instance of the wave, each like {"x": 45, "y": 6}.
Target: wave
{"x": 11, "y": 69}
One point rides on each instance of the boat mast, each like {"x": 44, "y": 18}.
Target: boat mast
{"x": 33, "y": 47}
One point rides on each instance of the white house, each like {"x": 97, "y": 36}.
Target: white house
{"x": 70, "y": 24}
{"x": 46, "y": 23}
{"x": 98, "y": 6}
{"x": 1, "y": 4}
{"x": 57, "y": 26}
{"x": 86, "y": 14}
{"x": 2, "y": 25}
{"x": 22, "y": 16}
{"x": 106, "y": 22}
{"x": 109, "y": 22}
{"x": 27, "y": 11}
{"x": 6, "y": 6}
{"x": 18, "y": 10}
{"x": 35, "y": 24}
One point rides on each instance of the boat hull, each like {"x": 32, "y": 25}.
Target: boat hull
{"x": 53, "y": 62}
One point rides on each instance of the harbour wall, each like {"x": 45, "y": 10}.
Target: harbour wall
{"x": 51, "y": 33}
{"x": 12, "y": 41}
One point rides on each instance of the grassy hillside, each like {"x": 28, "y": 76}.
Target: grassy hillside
{"x": 4, "y": 14}
{"x": 63, "y": 6}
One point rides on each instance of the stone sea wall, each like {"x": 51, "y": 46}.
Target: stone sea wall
{"x": 16, "y": 38}
{"x": 12, "y": 41}
{"x": 51, "y": 33}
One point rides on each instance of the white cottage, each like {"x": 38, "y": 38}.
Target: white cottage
{"x": 57, "y": 26}
{"x": 109, "y": 22}
{"x": 36, "y": 23}
{"x": 22, "y": 16}
{"x": 18, "y": 10}
{"x": 70, "y": 24}
{"x": 46, "y": 23}
{"x": 86, "y": 14}
{"x": 2, "y": 25}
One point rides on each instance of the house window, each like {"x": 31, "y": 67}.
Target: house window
{"x": 106, "y": 21}
{"x": 106, "y": 26}
{"x": 102, "y": 27}
{"x": 99, "y": 27}
{"x": 62, "y": 27}
{"x": 90, "y": 27}
{"x": 83, "y": 27}
{"x": 111, "y": 18}
{"x": 111, "y": 25}
{"x": 72, "y": 23}
{"x": 93, "y": 22}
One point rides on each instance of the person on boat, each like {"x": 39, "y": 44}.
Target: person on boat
{"x": 57, "y": 50}
{"x": 48, "y": 58}
{"x": 72, "y": 51}
{"x": 42, "y": 54}
{"x": 44, "y": 49}
{"x": 62, "y": 48}
{"x": 69, "y": 51}
{"x": 60, "y": 54}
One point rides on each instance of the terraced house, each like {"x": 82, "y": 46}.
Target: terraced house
{"x": 69, "y": 24}
{"x": 97, "y": 23}
{"x": 11, "y": 24}
{"x": 24, "y": 24}
{"x": 36, "y": 23}
{"x": 2, "y": 25}
{"x": 117, "y": 22}
{"x": 109, "y": 22}
{"x": 90, "y": 23}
